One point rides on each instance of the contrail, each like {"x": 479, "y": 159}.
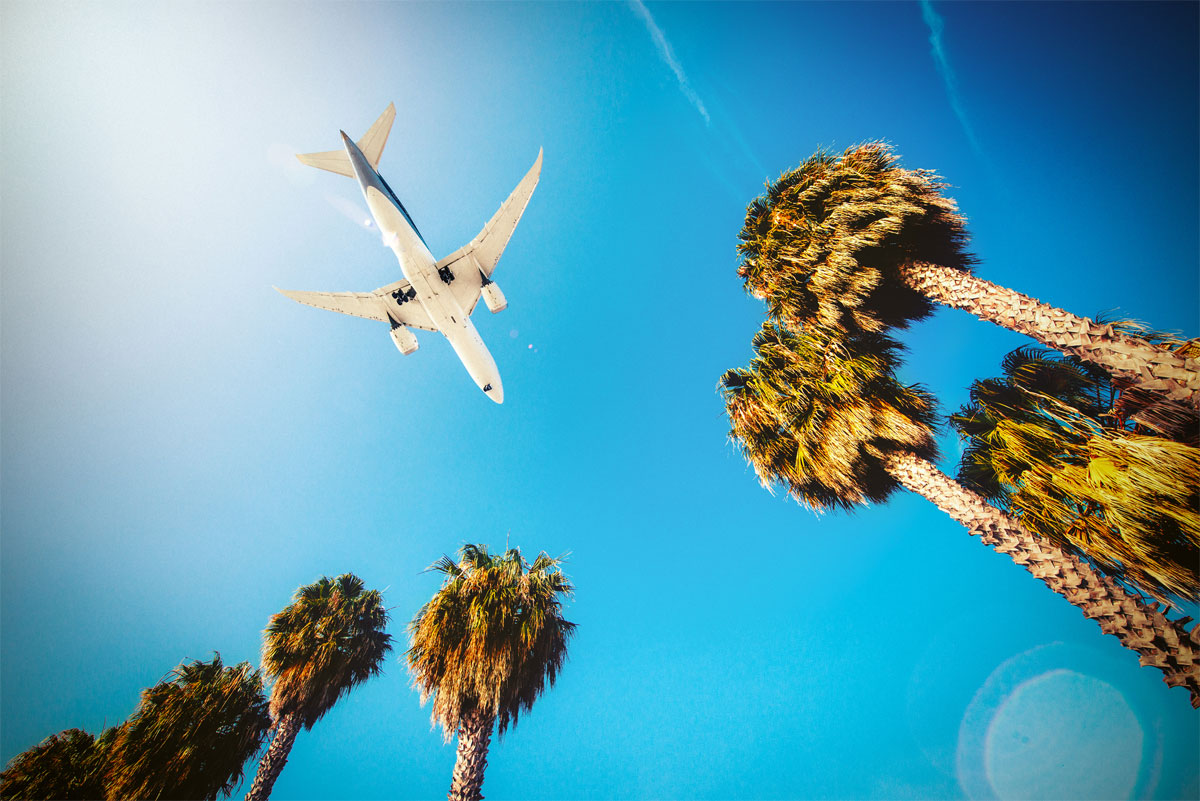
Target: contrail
{"x": 668, "y": 55}
{"x": 936, "y": 26}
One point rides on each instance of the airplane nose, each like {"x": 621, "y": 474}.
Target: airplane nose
{"x": 494, "y": 391}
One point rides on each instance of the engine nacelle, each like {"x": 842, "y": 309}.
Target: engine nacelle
{"x": 494, "y": 298}
{"x": 405, "y": 340}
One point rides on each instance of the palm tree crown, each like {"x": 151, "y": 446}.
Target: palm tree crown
{"x": 191, "y": 734}
{"x": 1051, "y": 442}
{"x": 825, "y": 242}
{"x": 68, "y": 765}
{"x": 819, "y": 413}
{"x": 492, "y": 638}
{"x": 822, "y": 414}
{"x": 857, "y": 243}
{"x": 327, "y": 641}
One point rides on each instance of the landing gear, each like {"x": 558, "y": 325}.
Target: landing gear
{"x": 401, "y": 296}
{"x": 445, "y": 274}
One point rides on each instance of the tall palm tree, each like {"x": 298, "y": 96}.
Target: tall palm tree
{"x": 190, "y": 735}
{"x": 1048, "y": 441}
{"x": 485, "y": 647}
{"x": 822, "y": 415}
{"x": 68, "y": 765}
{"x": 858, "y": 243}
{"x": 327, "y": 641}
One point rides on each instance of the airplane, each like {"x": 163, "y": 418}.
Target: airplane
{"x": 433, "y": 295}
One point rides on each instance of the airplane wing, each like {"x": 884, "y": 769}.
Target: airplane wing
{"x": 479, "y": 256}
{"x": 383, "y": 304}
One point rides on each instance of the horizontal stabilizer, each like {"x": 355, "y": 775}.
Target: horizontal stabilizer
{"x": 371, "y": 146}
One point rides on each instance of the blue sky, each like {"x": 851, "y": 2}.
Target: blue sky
{"x": 182, "y": 447}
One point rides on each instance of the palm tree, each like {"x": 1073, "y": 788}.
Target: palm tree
{"x": 327, "y": 641}
{"x": 1048, "y": 441}
{"x": 858, "y": 243}
{"x": 190, "y": 735}
{"x": 485, "y": 647}
{"x": 68, "y": 765}
{"x": 822, "y": 415}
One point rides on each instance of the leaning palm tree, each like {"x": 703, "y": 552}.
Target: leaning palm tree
{"x": 190, "y": 735}
{"x": 1049, "y": 442}
{"x": 327, "y": 641}
{"x": 67, "y": 765}
{"x": 858, "y": 243}
{"x": 485, "y": 647}
{"x": 822, "y": 415}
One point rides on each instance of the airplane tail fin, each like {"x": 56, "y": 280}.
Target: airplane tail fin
{"x": 371, "y": 145}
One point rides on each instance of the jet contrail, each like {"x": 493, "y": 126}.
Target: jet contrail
{"x": 668, "y": 56}
{"x": 936, "y": 26}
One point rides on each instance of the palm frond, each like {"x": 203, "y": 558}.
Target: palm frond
{"x": 817, "y": 412}
{"x": 330, "y": 639}
{"x": 191, "y": 734}
{"x": 493, "y": 638}
{"x": 1053, "y": 441}
{"x": 825, "y": 241}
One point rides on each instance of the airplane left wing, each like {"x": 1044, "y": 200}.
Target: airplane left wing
{"x": 482, "y": 252}
{"x": 382, "y": 304}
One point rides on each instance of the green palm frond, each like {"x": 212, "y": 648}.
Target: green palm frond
{"x": 330, "y": 639}
{"x": 69, "y": 765}
{"x": 493, "y": 638}
{"x": 824, "y": 242}
{"x": 816, "y": 412}
{"x": 1052, "y": 441}
{"x": 190, "y": 735}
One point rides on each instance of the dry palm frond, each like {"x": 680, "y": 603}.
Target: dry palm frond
{"x": 329, "y": 640}
{"x": 824, "y": 243}
{"x": 1051, "y": 442}
{"x": 493, "y": 638}
{"x": 190, "y": 735}
{"x": 67, "y": 765}
{"x": 817, "y": 412}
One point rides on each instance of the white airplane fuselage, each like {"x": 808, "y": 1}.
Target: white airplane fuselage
{"x": 420, "y": 269}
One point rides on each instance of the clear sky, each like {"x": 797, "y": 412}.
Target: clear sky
{"x": 182, "y": 447}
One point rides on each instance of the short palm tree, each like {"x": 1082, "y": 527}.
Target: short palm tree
{"x": 857, "y": 243}
{"x": 68, "y": 765}
{"x": 190, "y": 735}
{"x": 327, "y": 641}
{"x": 485, "y": 647}
{"x": 1048, "y": 442}
{"x": 822, "y": 415}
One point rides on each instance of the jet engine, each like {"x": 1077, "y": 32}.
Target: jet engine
{"x": 405, "y": 340}
{"x": 493, "y": 297}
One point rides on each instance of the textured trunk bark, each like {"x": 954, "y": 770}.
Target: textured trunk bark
{"x": 1165, "y": 644}
{"x": 474, "y": 737}
{"x": 1125, "y": 358}
{"x": 276, "y": 757}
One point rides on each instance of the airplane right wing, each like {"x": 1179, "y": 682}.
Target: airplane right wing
{"x": 383, "y": 304}
{"x": 482, "y": 252}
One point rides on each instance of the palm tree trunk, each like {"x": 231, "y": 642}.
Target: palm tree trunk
{"x": 1165, "y": 644}
{"x": 1126, "y": 358}
{"x": 474, "y": 737}
{"x": 276, "y": 757}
